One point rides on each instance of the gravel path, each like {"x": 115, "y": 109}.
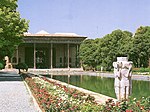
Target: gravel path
{"x": 14, "y": 96}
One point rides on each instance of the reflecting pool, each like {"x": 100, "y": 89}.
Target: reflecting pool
{"x": 105, "y": 85}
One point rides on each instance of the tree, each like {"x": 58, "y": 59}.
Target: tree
{"x": 140, "y": 52}
{"x": 12, "y": 27}
{"x": 113, "y": 45}
{"x": 104, "y": 51}
{"x": 87, "y": 50}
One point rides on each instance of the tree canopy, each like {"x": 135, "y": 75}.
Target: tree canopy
{"x": 104, "y": 51}
{"x": 87, "y": 54}
{"x": 12, "y": 27}
{"x": 140, "y": 51}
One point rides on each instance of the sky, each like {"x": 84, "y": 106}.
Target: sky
{"x": 91, "y": 18}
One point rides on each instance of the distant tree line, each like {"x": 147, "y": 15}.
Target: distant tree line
{"x": 102, "y": 52}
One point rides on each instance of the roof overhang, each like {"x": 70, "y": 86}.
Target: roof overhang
{"x": 53, "y": 38}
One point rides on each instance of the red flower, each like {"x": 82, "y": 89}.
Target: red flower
{"x": 129, "y": 110}
{"x": 75, "y": 95}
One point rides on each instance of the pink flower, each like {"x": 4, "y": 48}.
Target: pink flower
{"x": 129, "y": 110}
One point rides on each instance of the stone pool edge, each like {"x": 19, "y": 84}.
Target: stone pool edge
{"x": 79, "y": 72}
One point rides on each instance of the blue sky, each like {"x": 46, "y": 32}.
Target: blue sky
{"x": 92, "y": 18}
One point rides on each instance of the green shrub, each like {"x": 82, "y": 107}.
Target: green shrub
{"x": 87, "y": 67}
{"x": 1, "y": 66}
{"x": 98, "y": 67}
{"x": 141, "y": 69}
{"x": 22, "y": 66}
{"x": 147, "y": 69}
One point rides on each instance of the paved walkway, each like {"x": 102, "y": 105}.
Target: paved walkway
{"x": 14, "y": 96}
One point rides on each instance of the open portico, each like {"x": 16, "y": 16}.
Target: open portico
{"x": 46, "y": 51}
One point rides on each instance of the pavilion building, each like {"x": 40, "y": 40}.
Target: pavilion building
{"x": 46, "y": 51}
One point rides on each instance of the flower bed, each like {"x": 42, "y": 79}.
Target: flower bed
{"x": 54, "y": 97}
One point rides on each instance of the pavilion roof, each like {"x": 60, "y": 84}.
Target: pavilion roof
{"x": 43, "y": 33}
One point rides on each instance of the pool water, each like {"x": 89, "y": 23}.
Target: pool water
{"x": 105, "y": 85}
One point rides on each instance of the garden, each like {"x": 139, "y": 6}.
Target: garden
{"x": 55, "y": 97}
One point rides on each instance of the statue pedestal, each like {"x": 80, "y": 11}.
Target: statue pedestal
{"x": 8, "y": 66}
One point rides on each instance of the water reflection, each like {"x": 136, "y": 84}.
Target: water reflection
{"x": 105, "y": 85}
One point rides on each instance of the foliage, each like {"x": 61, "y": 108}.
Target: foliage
{"x": 142, "y": 70}
{"x": 22, "y": 66}
{"x": 89, "y": 107}
{"x": 130, "y": 105}
{"x": 102, "y": 52}
{"x": 1, "y": 66}
{"x": 87, "y": 67}
{"x": 140, "y": 51}
{"x": 12, "y": 27}
{"x": 87, "y": 55}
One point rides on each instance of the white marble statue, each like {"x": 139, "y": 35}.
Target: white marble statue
{"x": 6, "y": 59}
{"x": 123, "y": 74}
{"x": 8, "y": 64}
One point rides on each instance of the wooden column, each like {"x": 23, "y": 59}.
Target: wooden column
{"x": 34, "y": 55}
{"x": 77, "y": 54}
{"x": 79, "y": 63}
{"x": 68, "y": 54}
{"x": 51, "y": 55}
